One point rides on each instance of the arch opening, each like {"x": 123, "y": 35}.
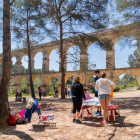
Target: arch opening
{"x": 38, "y": 62}
{"x": 91, "y": 87}
{"x": 13, "y": 65}
{"x": 53, "y": 84}
{"x": 69, "y": 81}
{"x": 24, "y": 86}
{"x": 124, "y": 52}
{"x": 125, "y": 82}
{"x": 37, "y": 84}
{"x": 54, "y": 61}
{"x": 24, "y": 61}
{"x": 73, "y": 58}
{"x": 12, "y": 86}
{"x": 96, "y": 57}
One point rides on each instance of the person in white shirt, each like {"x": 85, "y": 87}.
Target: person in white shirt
{"x": 104, "y": 86}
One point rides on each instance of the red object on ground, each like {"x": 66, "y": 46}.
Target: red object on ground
{"x": 11, "y": 120}
{"x": 111, "y": 116}
{"x": 88, "y": 112}
{"x": 113, "y": 108}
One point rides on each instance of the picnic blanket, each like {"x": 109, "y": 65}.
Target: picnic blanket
{"x": 91, "y": 102}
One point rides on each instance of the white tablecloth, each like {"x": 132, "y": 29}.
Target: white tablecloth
{"x": 92, "y": 102}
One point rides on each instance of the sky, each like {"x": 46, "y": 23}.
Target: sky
{"x": 96, "y": 56}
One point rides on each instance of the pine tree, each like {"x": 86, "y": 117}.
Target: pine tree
{"x": 68, "y": 18}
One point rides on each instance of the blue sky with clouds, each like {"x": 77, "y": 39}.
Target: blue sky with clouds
{"x": 95, "y": 55}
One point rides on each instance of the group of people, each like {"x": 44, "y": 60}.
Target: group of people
{"x": 103, "y": 87}
{"x": 18, "y": 95}
{"x": 67, "y": 91}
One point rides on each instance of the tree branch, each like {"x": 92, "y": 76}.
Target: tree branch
{"x": 12, "y": 2}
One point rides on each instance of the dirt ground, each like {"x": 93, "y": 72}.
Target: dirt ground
{"x": 126, "y": 127}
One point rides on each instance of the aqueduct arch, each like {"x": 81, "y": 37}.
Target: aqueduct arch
{"x": 112, "y": 34}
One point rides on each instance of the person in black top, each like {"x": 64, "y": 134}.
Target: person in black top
{"x": 56, "y": 91}
{"x": 77, "y": 97}
{"x": 97, "y": 74}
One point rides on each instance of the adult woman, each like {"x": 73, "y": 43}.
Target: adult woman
{"x": 77, "y": 95}
{"x": 104, "y": 86}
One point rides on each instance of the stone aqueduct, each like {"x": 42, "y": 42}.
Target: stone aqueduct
{"x": 113, "y": 34}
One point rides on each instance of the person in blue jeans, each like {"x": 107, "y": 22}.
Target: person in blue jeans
{"x": 97, "y": 74}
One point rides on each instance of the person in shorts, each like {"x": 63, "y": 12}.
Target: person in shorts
{"x": 104, "y": 86}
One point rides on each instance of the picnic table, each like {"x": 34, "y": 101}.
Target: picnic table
{"x": 95, "y": 102}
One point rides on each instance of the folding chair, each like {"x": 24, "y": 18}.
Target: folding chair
{"x": 47, "y": 116}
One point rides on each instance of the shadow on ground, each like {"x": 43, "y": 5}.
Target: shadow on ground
{"x": 41, "y": 128}
{"x": 11, "y": 131}
{"x": 95, "y": 121}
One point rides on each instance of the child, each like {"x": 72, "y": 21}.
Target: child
{"x": 87, "y": 96}
{"x": 86, "y": 89}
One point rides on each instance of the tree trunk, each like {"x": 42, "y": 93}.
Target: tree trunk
{"x": 4, "y": 105}
{"x": 29, "y": 55}
{"x": 62, "y": 63}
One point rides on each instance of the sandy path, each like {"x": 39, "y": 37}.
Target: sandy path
{"x": 126, "y": 127}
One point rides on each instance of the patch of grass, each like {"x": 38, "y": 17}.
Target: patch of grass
{"x": 50, "y": 94}
{"x": 23, "y": 95}
{"x": 124, "y": 91}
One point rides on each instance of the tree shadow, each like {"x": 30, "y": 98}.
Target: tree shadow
{"x": 113, "y": 134}
{"x": 95, "y": 121}
{"x": 131, "y": 103}
{"x": 41, "y": 128}
{"x": 20, "y": 134}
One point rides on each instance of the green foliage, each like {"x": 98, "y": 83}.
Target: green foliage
{"x": 50, "y": 94}
{"x": 23, "y": 86}
{"x": 132, "y": 59}
{"x": 11, "y": 86}
{"x": 37, "y": 84}
{"x": 128, "y": 80}
{"x": 129, "y": 9}
{"x": 117, "y": 88}
{"x": 24, "y": 70}
{"x": 69, "y": 82}
{"x": 23, "y": 11}
{"x": 12, "y": 68}
{"x": 53, "y": 84}
{"x": 91, "y": 88}
{"x": 37, "y": 71}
